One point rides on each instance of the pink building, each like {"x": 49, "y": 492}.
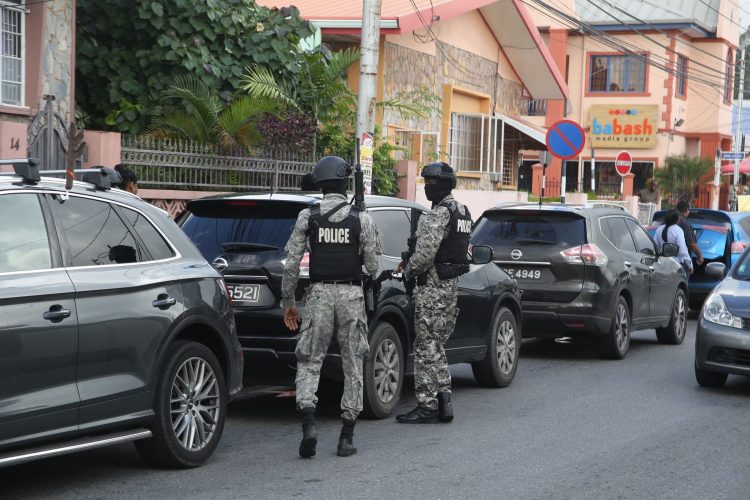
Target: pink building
{"x": 37, "y": 58}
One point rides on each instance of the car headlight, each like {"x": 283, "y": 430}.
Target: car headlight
{"x": 715, "y": 311}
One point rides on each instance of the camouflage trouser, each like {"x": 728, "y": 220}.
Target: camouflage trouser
{"x": 435, "y": 313}
{"x": 329, "y": 307}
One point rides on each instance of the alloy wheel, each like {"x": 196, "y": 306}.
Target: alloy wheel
{"x": 680, "y": 319}
{"x": 386, "y": 368}
{"x": 621, "y": 326}
{"x": 506, "y": 347}
{"x": 194, "y": 404}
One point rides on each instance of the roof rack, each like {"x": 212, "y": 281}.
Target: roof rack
{"x": 28, "y": 169}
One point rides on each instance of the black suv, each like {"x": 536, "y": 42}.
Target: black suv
{"x": 113, "y": 327}
{"x": 245, "y": 235}
{"x": 587, "y": 270}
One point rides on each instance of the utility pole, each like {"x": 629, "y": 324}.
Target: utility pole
{"x": 738, "y": 133}
{"x": 368, "y": 81}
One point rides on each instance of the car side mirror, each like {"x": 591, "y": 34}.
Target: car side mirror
{"x": 670, "y": 250}
{"x": 715, "y": 270}
{"x": 482, "y": 254}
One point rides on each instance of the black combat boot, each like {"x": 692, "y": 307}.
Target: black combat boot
{"x": 419, "y": 415}
{"x": 346, "y": 448}
{"x": 309, "y": 433}
{"x": 445, "y": 409}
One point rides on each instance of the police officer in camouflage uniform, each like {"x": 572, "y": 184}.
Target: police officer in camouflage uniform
{"x": 440, "y": 256}
{"x": 340, "y": 240}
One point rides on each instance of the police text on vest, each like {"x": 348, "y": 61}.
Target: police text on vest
{"x": 333, "y": 235}
{"x": 463, "y": 226}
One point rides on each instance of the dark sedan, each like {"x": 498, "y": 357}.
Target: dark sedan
{"x": 245, "y": 235}
{"x": 722, "y": 341}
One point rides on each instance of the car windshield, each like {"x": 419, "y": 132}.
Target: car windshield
{"x": 501, "y": 229}
{"x": 742, "y": 271}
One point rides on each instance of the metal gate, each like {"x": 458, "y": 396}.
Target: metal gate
{"x": 48, "y": 138}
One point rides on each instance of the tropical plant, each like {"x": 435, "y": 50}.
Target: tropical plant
{"x": 681, "y": 174}
{"x": 201, "y": 116}
{"x": 129, "y": 52}
{"x": 319, "y": 88}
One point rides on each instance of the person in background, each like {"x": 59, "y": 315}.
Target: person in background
{"x": 129, "y": 180}
{"x": 671, "y": 232}
{"x": 683, "y": 208}
{"x": 651, "y": 193}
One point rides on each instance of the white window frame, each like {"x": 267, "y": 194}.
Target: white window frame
{"x": 19, "y": 7}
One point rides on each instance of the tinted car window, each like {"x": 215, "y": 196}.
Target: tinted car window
{"x": 643, "y": 242}
{"x": 96, "y": 235}
{"x": 606, "y": 230}
{"x": 500, "y": 229}
{"x": 209, "y": 233}
{"x": 23, "y": 236}
{"x": 393, "y": 228}
{"x": 155, "y": 244}
{"x": 622, "y": 239}
{"x": 742, "y": 271}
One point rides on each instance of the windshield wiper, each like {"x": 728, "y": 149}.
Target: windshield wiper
{"x": 537, "y": 242}
{"x": 239, "y": 246}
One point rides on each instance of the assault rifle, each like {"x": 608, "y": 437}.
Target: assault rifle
{"x": 359, "y": 180}
{"x": 411, "y": 245}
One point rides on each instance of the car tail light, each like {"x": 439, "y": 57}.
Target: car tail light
{"x": 304, "y": 265}
{"x": 738, "y": 246}
{"x": 227, "y": 291}
{"x": 585, "y": 254}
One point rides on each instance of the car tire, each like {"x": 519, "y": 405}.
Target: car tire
{"x": 498, "y": 368}
{"x": 674, "y": 332}
{"x": 707, "y": 378}
{"x": 614, "y": 345}
{"x": 383, "y": 372}
{"x": 202, "y": 412}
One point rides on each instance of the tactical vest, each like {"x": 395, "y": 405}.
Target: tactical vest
{"x": 334, "y": 246}
{"x": 454, "y": 247}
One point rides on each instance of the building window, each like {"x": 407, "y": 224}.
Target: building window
{"x": 617, "y": 74}
{"x": 11, "y": 52}
{"x": 682, "y": 69}
{"x": 728, "y": 78}
{"x": 466, "y": 136}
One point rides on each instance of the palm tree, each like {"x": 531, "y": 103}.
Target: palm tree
{"x": 681, "y": 175}
{"x": 205, "y": 118}
{"x": 319, "y": 88}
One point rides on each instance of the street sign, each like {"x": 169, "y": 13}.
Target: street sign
{"x": 623, "y": 163}
{"x": 732, "y": 155}
{"x": 365, "y": 159}
{"x": 565, "y": 139}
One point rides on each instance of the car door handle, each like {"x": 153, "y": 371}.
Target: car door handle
{"x": 56, "y": 314}
{"x": 164, "y": 302}
{"x": 627, "y": 263}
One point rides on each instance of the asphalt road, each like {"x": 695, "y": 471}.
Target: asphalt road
{"x": 570, "y": 426}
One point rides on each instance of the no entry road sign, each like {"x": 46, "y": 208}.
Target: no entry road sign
{"x": 623, "y": 163}
{"x": 565, "y": 139}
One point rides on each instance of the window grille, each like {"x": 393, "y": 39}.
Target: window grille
{"x": 11, "y": 53}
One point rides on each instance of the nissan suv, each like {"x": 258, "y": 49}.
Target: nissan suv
{"x": 245, "y": 235}
{"x": 113, "y": 327}
{"x": 587, "y": 271}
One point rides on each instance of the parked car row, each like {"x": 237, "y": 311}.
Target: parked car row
{"x": 116, "y": 328}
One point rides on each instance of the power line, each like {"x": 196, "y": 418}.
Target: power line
{"x": 720, "y": 13}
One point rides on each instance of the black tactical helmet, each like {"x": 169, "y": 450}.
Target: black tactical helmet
{"x": 440, "y": 171}
{"x": 331, "y": 168}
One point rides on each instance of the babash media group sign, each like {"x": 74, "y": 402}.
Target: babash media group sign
{"x": 631, "y": 127}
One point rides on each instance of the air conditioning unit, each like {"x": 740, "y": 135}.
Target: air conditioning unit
{"x": 494, "y": 177}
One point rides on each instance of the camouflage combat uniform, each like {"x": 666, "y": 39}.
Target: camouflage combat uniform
{"x": 330, "y": 307}
{"x": 435, "y": 306}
